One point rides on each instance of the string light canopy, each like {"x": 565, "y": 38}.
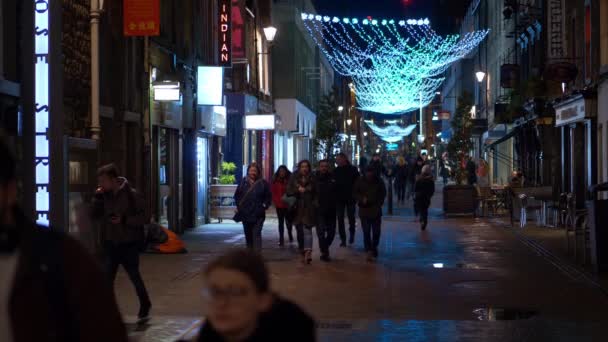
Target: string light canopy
{"x": 395, "y": 65}
{"x": 391, "y": 133}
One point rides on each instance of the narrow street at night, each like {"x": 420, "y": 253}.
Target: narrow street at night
{"x": 464, "y": 279}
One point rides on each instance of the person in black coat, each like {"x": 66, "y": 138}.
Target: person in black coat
{"x": 326, "y": 212}
{"x": 242, "y": 307}
{"x": 471, "y": 171}
{"x": 345, "y": 175}
{"x": 370, "y": 192}
{"x": 253, "y": 198}
{"x": 425, "y": 188}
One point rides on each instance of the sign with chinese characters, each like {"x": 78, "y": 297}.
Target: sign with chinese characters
{"x": 225, "y": 33}
{"x": 141, "y": 17}
{"x": 42, "y": 109}
{"x": 556, "y": 29}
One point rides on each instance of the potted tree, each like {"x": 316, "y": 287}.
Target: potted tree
{"x": 460, "y": 198}
{"x": 222, "y": 194}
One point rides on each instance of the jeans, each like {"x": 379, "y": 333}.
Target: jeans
{"x": 400, "y": 191}
{"x": 371, "y": 233}
{"x": 306, "y": 236}
{"x": 127, "y": 255}
{"x": 424, "y": 214}
{"x": 253, "y": 234}
{"x": 349, "y": 206}
{"x": 283, "y": 216}
{"x": 326, "y": 231}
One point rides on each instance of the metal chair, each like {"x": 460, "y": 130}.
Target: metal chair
{"x": 525, "y": 206}
{"x": 487, "y": 200}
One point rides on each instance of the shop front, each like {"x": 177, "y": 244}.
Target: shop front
{"x": 295, "y": 132}
{"x": 575, "y": 117}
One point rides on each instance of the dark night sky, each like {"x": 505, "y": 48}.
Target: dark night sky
{"x": 442, "y": 13}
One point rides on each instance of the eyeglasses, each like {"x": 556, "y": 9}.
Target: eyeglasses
{"x": 231, "y": 293}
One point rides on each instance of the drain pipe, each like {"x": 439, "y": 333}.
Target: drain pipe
{"x": 96, "y": 9}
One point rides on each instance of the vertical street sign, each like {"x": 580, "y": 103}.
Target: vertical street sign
{"x": 42, "y": 110}
{"x": 225, "y": 33}
{"x": 141, "y": 17}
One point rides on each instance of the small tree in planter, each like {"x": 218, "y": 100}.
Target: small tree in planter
{"x": 460, "y": 199}
{"x": 460, "y": 144}
{"x": 228, "y": 170}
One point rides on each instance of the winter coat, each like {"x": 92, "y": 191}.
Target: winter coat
{"x": 278, "y": 189}
{"x": 125, "y": 203}
{"x": 379, "y": 168}
{"x": 471, "y": 171}
{"x": 307, "y": 201}
{"x": 346, "y": 177}
{"x": 370, "y": 196}
{"x": 424, "y": 189}
{"x": 327, "y": 193}
{"x": 59, "y": 292}
{"x": 400, "y": 172}
{"x": 252, "y": 205}
{"x": 284, "y": 321}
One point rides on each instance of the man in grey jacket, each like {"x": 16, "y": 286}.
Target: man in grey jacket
{"x": 122, "y": 212}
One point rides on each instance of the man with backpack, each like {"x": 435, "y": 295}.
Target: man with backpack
{"x": 122, "y": 215}
{"x": 51, "y": 289}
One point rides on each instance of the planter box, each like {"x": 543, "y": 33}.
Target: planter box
{"x": 222, "y": 201}
{"x": 459, "y": 200}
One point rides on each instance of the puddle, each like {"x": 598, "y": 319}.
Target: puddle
{"x": 503, "y": 314}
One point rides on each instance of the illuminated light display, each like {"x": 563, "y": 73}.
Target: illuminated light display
{"x": 396, "y": 66}
{"x": 42, "y": 109}
{"x": 391, "y": 133}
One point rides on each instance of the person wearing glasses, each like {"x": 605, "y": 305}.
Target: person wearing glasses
{"x": 241, "y": 306}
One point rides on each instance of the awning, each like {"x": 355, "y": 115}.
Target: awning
{"x": 502, "y": 139}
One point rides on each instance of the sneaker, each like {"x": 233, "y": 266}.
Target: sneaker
{"x": 375, "y": 254}
{"x": 351, "y": 239}
{"x": 423, "y": 226}
{"x": 370, "y": 257}
{"x": 144, "y": 312}
{"x": 343, "y": 244}
{"x": 325, "y": 258}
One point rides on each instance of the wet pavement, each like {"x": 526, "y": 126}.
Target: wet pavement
{"x": 464, "y": 279}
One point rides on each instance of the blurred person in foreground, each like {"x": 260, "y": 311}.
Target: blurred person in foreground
{"x": 370, "y": 193}
{"x": 51, "y": 289}
{"x": 425, "y": 188}
{"x": 243, "y": 308}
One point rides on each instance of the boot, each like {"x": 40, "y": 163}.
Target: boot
{"x": 308, "y": 255}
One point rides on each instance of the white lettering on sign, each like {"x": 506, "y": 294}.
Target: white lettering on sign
{"x": 225, "y": 37}
{"x": 556, "y": 13}
{"x": 42, "y": 109}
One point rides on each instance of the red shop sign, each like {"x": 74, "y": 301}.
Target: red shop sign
{"x": 141, "y": 17}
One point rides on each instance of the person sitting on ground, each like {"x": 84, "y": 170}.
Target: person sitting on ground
{"x": 241, "y": 306}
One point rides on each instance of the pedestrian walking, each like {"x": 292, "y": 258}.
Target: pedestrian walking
{"x": 411, "y": 177}
{"x": 425, "y": 188}
{"x": 302, "y": 186}
{"x": 51, "y": 289}
{"x": 253, "y": 198}
{"x": 326, "y": 213}
{"x": 121, "y": 211}
{"x": 400, "y": 173}
{"x": 377, "y": 165}
{"x": 370, "y": 193}
{"x": 280, "y": 181}
{"x": 471, "y": 171}
{"x": 242, "y": 307}
{"x": 346, "y": 176}
{"x": 445, "y": 169}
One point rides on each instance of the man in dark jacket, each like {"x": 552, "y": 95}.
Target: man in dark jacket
{"x": 425, "y": 188}
{"x": 50, "y": 287}
{"x": 326, "y": 227}
{"x": 346, "y": 175}
{"x": 123, "y": 216}
{"x": 377, "y": 165}
{"x": 370, "y": 193}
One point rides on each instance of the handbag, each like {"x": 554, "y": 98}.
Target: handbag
{"x": 237, "y": 216}
{"x": 289, "y": 200}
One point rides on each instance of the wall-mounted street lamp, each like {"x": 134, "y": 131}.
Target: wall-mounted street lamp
{"x": 349, "y": 121}
{"x": 269, "y": 33}
{"x": 480, "y": 75}
{"x": 364, "y": 134}
{"x": 340, "y": 109}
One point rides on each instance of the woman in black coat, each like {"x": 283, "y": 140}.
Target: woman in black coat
{"x": 425, "y": 188}
{"x": 253, "y": 198}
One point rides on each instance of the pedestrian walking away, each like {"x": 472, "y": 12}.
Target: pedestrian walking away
{"x": 370, "y": 193}
{"x": 253, "y": 198}
{"x": 302, "y": 186}
{"x": 51, "y": 288}
{"x": 346, "y": 176}
{"x": 121, "y": 212}
{"x": 242, "y": 307}
{"x": 280, "y": 181}
{"x": 400, "y": 176}
{"x": 326, "y": 213}
{"x": 425, "y": 188}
